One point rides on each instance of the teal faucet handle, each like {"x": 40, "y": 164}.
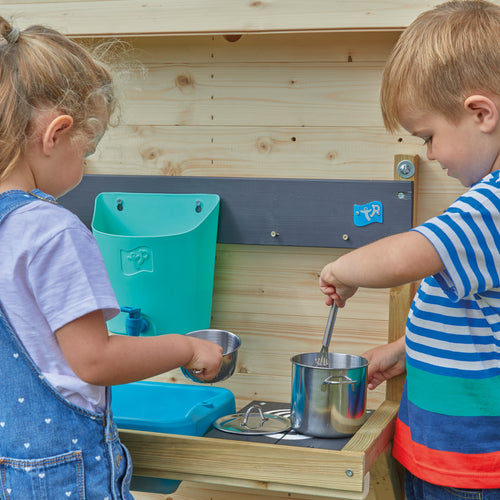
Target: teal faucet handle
{"x": 135, "y": 324}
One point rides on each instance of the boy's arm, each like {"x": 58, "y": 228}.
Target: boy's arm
{"x": 391, "y": 261}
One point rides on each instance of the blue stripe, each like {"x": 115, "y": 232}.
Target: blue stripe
{"x": 444, "y": 319}
{"x": 453, "y": 372}
{"x": 470, "y": 220}
{"x": 491, "y": 195}
{"x": 453, "y": 337}
{"x": 442, "y": 300}
{"x": 486, "y": 216}
{"x": 489, "y": 260}
{"x": 468, "y": 435}
{"x": 452, "y": 254}
{"x": 443, "y": 303}
{"x": 470, "y": 253}
{"x": 467, "y": 357}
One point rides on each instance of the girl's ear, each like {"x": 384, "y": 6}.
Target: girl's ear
{"x": 484, "y": 111}
{"x": 57, "y": 129}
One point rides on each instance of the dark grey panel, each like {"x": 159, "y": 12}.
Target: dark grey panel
{"x": 302, "y": 212}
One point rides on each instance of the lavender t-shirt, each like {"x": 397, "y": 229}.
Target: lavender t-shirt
{"x": 51, "y": 273}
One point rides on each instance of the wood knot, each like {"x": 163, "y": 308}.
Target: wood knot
{"x": 171, "y": 169}
{"x": 256, "y": 3}
{"x": 331, "y": 155}
{"x": 150, "y": 154}
{"x": 264, "y": 145}
{"x": 184, "y": 82}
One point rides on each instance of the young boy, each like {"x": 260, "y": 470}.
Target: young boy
{"x": 442, "y": 83}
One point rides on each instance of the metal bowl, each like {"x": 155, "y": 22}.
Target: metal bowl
{"x": 229, "y": 343}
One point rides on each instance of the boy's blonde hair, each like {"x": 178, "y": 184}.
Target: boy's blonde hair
{"x": 41, "y": 68}
{"x": 447, "y": 54}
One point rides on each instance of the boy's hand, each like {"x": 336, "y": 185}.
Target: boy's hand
{"x": 385, "y": 361}
{"x": 333, "y": 288}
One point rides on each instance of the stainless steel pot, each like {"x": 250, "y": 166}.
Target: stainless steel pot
{"x": 328, "y": 401}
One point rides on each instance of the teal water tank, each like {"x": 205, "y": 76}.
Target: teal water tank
{"x": 159, "y": 251}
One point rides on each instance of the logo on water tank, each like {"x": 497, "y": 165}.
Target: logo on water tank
{"x": 137, "y": 260}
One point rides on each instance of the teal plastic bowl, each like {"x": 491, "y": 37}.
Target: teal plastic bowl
{"x": 169, "y": 408}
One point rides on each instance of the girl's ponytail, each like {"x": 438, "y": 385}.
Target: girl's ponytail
{"x": 41, "y": 68}
{"x": 10, "y": 34}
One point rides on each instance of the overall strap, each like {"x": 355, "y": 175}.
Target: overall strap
{"x": 10, "y": 200}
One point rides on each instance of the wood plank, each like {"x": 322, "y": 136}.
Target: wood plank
{"x": 257, "y": 465}
{"x": 290, "y": 94}
{"x": 197, "y": 491}
{"x": 376, "y": 434}
{"x": 386, "y": 481}
{"x": 305, "y": 47}
{"x": 117, "y": 17}
{"x": 317, "y": 152}
{"x": 401, "y": 296}
{"x": 337, "y": 152}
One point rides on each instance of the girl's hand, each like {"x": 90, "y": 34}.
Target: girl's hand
{"x": 333, "y": 288}
{"x": 385, "y": 361}
{"x": 207, "y": 358}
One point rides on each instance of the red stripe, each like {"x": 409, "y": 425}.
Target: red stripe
{"x": 446, "y": 468}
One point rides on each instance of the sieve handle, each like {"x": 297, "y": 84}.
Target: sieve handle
{"x": 329, "y": 325}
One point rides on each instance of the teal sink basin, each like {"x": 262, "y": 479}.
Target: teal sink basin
{"x": 183, "y": 409}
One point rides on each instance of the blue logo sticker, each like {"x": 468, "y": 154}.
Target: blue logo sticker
{"x": 368, "y": 213}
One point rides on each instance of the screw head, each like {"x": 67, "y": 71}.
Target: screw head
{"x": 406, "y": 169}
{"x": 349, "y": 473}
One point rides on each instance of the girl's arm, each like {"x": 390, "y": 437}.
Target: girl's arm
{"x": 101, "y": 359}
{"x": 391, "y": 261}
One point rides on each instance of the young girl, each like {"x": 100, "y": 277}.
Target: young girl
{"x": 57, "y": 437}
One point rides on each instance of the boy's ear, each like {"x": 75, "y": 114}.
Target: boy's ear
{"x": 56, "y": 130}
{"x": 484, "y": 111}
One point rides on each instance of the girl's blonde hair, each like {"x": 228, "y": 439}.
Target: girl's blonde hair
{"x": 445, "y": 55}
{"x": 41, "y": 68}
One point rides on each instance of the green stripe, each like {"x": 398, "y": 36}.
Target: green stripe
{"x": 453, "y": 395}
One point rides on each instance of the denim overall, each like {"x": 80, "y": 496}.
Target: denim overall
{"x": 51, "y": 449}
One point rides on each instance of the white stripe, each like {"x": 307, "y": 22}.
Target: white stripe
{"x": 450, "y": 363}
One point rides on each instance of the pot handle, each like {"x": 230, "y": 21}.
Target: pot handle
{"x": 247, "y": 414}
{"x": 343, "y": 380}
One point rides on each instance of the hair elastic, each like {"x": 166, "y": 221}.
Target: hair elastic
{"x": 13, "y": 36}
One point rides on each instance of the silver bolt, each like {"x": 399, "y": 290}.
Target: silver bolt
{"x": 345, "y": 237}
{"x": 274, "y": 234}
{"x": 406, "y": 169}
{"x": 401, "y": 196}
{"x": 349, "y": 473}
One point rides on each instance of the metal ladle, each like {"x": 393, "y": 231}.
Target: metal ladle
{"x": 323, "y": 360}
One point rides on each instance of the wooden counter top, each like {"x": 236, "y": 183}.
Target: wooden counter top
{"x": 267, "y": 467}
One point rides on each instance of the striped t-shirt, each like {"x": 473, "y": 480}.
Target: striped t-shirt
{"x": 448, "y": 429}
